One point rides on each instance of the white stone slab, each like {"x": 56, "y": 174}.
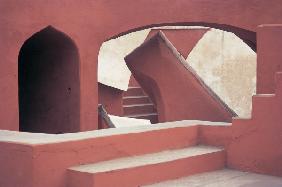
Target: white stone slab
{"x": 128, "y": 122}
{"x": 112, "y": 69}
{"x": 223, "y": 178}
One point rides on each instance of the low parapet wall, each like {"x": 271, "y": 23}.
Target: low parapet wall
{"x": 34, "y": 159}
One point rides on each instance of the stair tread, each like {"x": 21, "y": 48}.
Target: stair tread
{"x": 135, "y": 97}
{"x": 134, "y": 87}
{"x": 140, "y": 115}
{"x": 242, "y": 118}
{"x": 264, "y": 95}
{"x": 225, "y": 177}
{"x": 147, "y": 159}
{"x": 143, "y": 104}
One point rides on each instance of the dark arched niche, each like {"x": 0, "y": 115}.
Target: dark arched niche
{"x": 49, "y": 96}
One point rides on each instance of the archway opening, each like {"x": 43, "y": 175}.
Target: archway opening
{"x": 248, "y": 36}
{"x": 218, "y": 57}
{"x": 49, "y": 87}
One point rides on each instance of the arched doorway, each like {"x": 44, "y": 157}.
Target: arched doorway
{"x": 49, "y": 96}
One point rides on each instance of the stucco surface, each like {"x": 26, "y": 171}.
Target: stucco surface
{"x": 228, "y": 67}
{"x": 112, "y": 70}
{"x": 111, "y": 99}
{"x": 41, "y": 138}
{"x": 90, "y": 23}
{"x": 222, "y": 178}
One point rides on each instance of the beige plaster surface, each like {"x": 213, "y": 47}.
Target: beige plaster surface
{"x": 120, "y": 122}
{"x": 228, "y": 66}
{"x": 112, "y": 69}
{"x": 223, "y": 178}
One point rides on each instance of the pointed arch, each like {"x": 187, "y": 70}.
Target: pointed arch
{"x": 49, "y": 86}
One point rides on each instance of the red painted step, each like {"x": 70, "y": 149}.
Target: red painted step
{"x": 129, "y": 100}
{"x": 148, "y": 168}
{"x": 134, "y": 91}
{"x": 138, "y": 109}
{"x": 136, "y": 104}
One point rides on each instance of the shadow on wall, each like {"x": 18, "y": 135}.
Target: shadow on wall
{"x": 49, "y": 88}
{"x": 111, "y": 99}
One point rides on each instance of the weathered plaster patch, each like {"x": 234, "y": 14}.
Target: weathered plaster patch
{"x": 228, "y": 66}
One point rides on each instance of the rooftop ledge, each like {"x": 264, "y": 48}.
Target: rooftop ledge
{"x": 42, "y": 138}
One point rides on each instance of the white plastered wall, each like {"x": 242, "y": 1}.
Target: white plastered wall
{"x": 228, "y": 66}
{"x": 112, "y": 69}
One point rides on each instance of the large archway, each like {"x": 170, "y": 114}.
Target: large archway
{"x": 49, "y": 88}
{"x": 215, "y": 67}
{"x": 248, "y": 36}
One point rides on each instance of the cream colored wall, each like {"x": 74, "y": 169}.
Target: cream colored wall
{"x": 112, "y": 69}
{"x": 223, "y": 61}
{"x": 228, "y": 66}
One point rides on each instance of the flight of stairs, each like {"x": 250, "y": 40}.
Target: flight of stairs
{"x": 170, "y": 153}
{"x": 149, "y": 168}
{"x": 136, "y": 104}
{"x": 174, "y": 152}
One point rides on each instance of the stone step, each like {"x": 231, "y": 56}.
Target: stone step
{"x": 129, "y": 100}
{"x": 138, "y": 109}
{"x": 134, "y": 91}
{"x": 148, "y": 168}
{"x": 225, "y": 177}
